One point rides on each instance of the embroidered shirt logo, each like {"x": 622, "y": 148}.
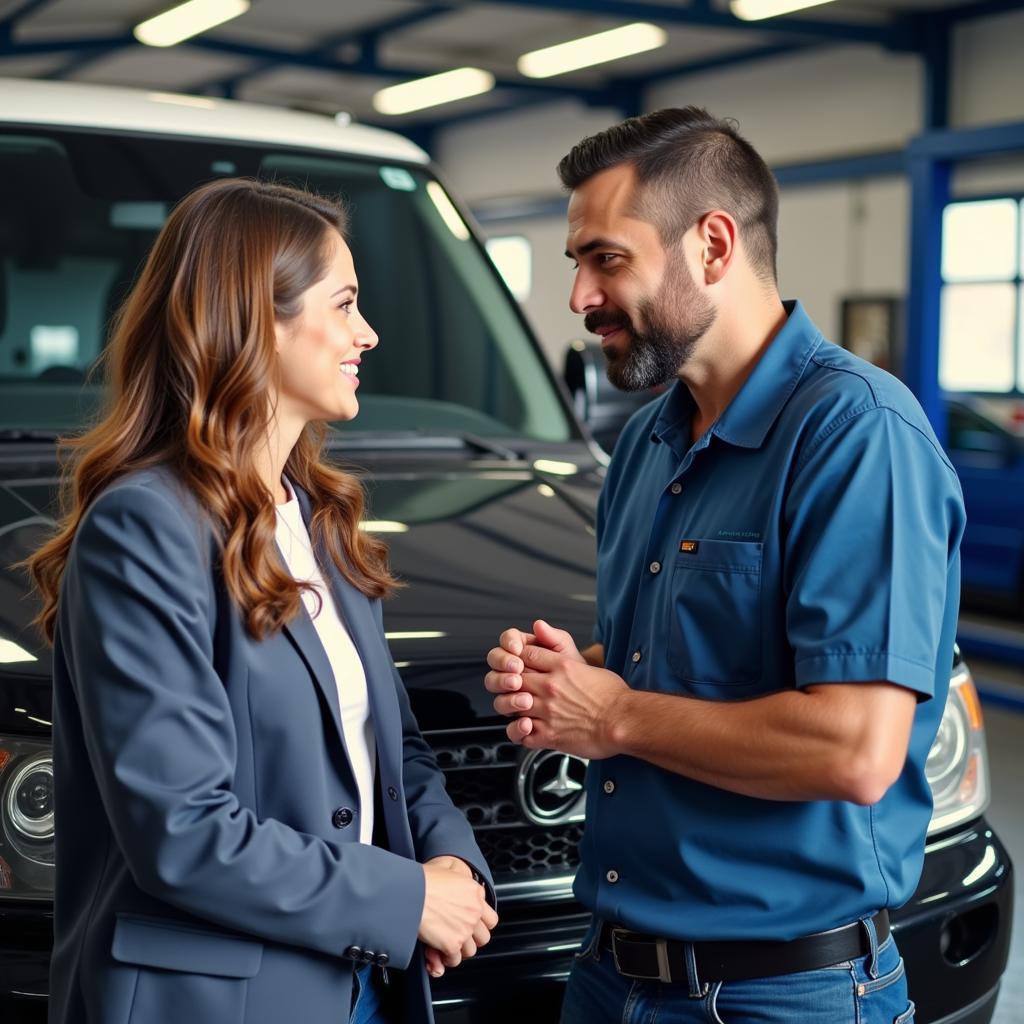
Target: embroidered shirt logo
{"x": 741, "y": 534}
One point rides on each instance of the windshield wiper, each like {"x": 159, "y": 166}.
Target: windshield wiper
{"x": 415, "y": 440}
{"x": 30, "y": 434}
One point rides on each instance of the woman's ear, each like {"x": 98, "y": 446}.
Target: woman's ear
{"x": 281, "y": 335}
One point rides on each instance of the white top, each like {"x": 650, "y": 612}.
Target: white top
{"x": 349, "y": 676}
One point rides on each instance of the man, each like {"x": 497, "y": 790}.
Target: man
{"x": 778, "y": 582}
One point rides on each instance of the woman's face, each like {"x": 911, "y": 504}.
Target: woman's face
{"x": 320, "y": 352}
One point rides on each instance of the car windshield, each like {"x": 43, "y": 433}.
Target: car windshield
{"x": 79, "y": 210}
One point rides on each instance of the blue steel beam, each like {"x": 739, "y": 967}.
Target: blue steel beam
{"x": 722, "y": 60}
{"x": 929, "y": 194}
{"x": 366, "y": 37}
{"x": 986, "y": 9}
{"x": 367, "y": 65}
{"x": 897, "y": 34}
{"x": 937, "y": 34}
{"x": 363, "y": 66}
{"x": 958, "y": 144}
{"x": 9, "y": 48}
{"x": 613, "y": 96}
{"x": 17, "y": 14}
{"x": 891, "y": 163}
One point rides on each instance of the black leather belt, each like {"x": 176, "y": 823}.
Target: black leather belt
{"x": 645, "y": 956}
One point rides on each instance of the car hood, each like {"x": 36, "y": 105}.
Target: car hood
{"x": 478, "y": 550}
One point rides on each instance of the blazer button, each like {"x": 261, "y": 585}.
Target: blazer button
{"x": 354, "y": 952}
{"x": 392, "y": 792}
{"x": 382, "y": 959}
{"x": 342, "y": 817}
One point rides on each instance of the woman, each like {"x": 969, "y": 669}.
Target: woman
{"x": 251, "y": 828}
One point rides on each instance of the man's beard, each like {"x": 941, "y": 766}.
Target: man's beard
{"x": 658, "y": 351}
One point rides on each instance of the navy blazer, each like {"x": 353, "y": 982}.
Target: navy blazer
{"x": 208, "y": 863}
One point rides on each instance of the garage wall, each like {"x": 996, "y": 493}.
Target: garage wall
{"x": 837, "y": 240}
{"x": 987, "y": 84}
{"x": 988, "y": 88}
{"x": 516, "y": 154}
{"x": 862, "y": 100}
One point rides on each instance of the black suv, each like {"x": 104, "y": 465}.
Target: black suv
{"x": 480, "y": 476}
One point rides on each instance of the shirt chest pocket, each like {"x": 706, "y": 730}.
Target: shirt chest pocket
{"x": 715, "y": 612}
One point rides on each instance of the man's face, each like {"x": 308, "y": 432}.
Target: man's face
{"x": 640, "y": 298}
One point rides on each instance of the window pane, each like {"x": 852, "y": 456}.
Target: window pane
{"x": 979, "y": 241}
{"x": 976, "y": 337}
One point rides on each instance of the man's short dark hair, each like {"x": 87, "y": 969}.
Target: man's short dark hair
{"x": 688, "y": 163}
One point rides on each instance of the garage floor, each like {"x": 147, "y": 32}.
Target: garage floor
{"x": 1005, "y": 730}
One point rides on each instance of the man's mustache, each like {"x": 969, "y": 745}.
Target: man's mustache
{"x": 593, "y": 322}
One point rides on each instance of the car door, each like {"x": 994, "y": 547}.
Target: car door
{"x": 990, "y": 464}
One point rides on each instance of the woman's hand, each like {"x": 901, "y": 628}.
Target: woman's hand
{"x": 457, "y": 920}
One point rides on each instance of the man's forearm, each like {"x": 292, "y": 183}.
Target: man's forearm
{"x": 835, "y": 742}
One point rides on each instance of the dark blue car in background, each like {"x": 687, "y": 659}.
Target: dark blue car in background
{"x": 990, "y": 463}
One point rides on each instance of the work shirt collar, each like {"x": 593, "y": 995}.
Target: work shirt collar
{"x": 750, "y": 415}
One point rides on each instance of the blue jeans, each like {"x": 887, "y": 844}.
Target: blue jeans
{"x": 366, "y": 1001}
{"x": 871, "y": 990}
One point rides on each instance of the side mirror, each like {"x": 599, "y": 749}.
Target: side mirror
{"x": 602, "y": 406}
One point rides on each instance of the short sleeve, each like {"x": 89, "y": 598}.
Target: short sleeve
{"x": 873, "y": 520}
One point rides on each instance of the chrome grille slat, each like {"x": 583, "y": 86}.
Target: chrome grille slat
{"x": 481, "y": 768}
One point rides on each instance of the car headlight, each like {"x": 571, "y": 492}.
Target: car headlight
{"x": 957, "y": 767}
{"x": 26, "y": 819}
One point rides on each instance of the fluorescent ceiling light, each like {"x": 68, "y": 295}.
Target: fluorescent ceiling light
{"x": 433, "y": 90}
{"x": 756, "y": 10}
{"x": 582, "y": 53}
{"x": 188, "y": 19}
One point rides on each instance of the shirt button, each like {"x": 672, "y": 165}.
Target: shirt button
{"x": 342, "y": 817}
{"x": 612, "y": 876}
{"x": 392, "y": 792}
{"x": 637, "y": 655}
{"x": 609, "y": 787}
{"x": 655, "y": 567}
{"x": 677, "y": 488}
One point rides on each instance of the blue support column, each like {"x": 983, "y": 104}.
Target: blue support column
{"x": 929, "y": 194}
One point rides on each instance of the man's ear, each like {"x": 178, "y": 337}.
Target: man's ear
{"x": 718, "y": 234}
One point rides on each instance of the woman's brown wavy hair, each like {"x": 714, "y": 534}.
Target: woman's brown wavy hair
{"x": 191, "y": 366}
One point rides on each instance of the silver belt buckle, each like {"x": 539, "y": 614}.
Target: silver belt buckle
{"x": 661, "y": 950}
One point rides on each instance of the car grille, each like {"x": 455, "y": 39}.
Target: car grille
{"x": 481, "y": 768}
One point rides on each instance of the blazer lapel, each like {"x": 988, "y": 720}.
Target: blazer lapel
{"x": 306, "y": 640}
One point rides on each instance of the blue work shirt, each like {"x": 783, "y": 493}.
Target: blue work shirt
{"x": 810, "y": 536}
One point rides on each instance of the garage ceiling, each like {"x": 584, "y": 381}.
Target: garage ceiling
{"x": 328, "y": 56}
